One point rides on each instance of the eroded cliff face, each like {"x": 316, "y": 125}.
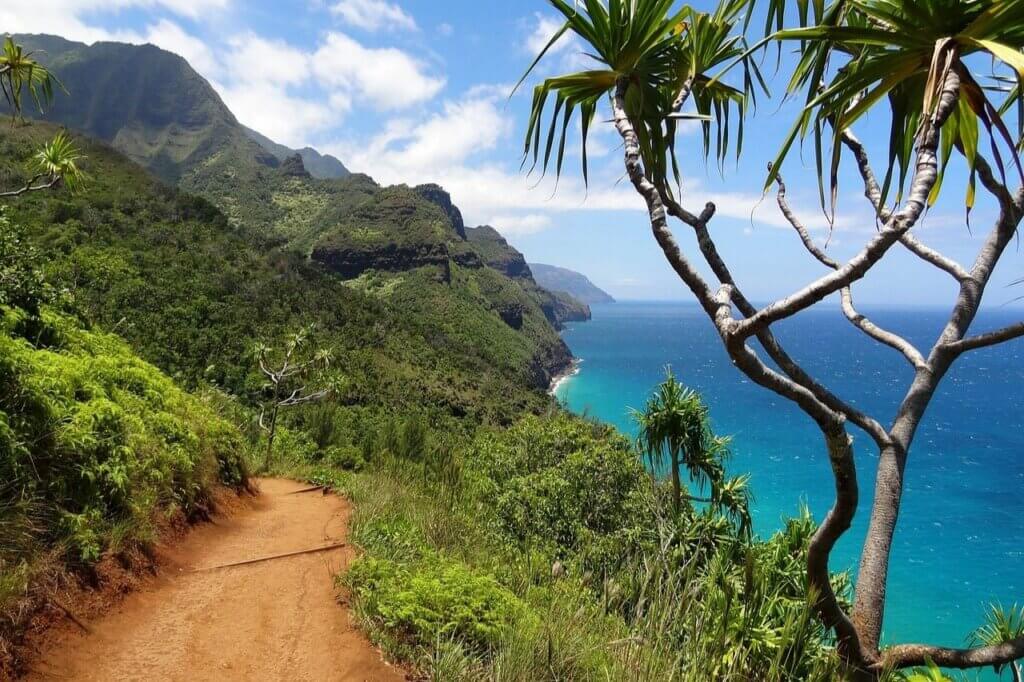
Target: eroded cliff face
{"x": 403, "y": 230}
{"x": 559, "y": 307}
{"x": 436, "y": 195}
{"x": 498, "y": 253}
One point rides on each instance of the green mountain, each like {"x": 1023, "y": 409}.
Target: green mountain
{"x": 147, "y": 103}
{"x": 193, "y": 291}
{"x": 573, "y": 283}
{"x": 322, "y": 166}
{"x": 153, "y": 107}
{"x": 382, "y": 241}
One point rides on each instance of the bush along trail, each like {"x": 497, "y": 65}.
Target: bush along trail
{"x": 213, "y": 614}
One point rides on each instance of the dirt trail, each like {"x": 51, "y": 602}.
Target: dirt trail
{"x": 276, "y": 620}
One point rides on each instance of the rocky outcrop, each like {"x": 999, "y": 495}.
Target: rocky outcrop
{"x": 511, "y": 314}
{"x": 350, "y": 263}
{"x": 559, "y": 307}
{"x": 497, "y": 252}
{"x": 548, "y": 364}
{"x": 436, "y": 194}
{"x": 293, "y": 167}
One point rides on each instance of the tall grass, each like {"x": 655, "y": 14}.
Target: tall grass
{"x": 694, "y": 601}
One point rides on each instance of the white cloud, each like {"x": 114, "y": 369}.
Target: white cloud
{"x": 282, "y": 117}
{"x": 445, "y": 30}
{"x": 518, "y": 225}
{"x": 568, "y": 46}
{"x": 253, "y": 59}
{"x": 544, "y": 29}
{"x": 374, "y": 15}
{"x": 170, "y": 36}
{"x": 67, "y": 17}
{"x": 385, "y": 78}
{"x": 261, "y": 80}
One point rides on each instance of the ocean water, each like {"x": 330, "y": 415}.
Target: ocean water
{"x": 960, "y": 539}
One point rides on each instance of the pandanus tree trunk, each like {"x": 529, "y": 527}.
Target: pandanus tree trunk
{"x": 677, "y": 487}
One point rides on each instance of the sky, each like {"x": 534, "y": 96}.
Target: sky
{"x": 414, "y": 91}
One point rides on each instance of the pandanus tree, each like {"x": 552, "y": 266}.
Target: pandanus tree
{"x": 922, "y": 63}
{"x": 56, "y": 164}
{"x": 674, "y": 431}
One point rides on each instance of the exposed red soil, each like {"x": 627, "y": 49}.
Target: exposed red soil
{"x": 273, "y": 620}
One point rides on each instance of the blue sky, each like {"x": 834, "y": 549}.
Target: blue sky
{"x": 417, "y": 90}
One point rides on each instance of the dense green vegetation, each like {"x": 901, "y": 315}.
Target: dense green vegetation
{"x": 96, "y": 445}
{"x": 193, "y": 294}
{"x": 501, "y": 538}
{"x": 552, "y": 554}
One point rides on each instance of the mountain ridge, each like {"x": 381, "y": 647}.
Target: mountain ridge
{"x": 369, "y": 235}
{"x": 320, "y": 166}
{"x": 577, "y": 285}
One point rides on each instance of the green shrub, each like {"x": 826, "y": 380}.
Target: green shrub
{"x": 436, "y": 599}
{"x": 94, "y": 436}
{"x": 344, "y": 457}
{"x": 562, "y": 482}
{"x": 21, "y": 279}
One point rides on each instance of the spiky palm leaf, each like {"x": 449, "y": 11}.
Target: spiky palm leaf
{"x": 662, "y": 53}
{"x": 58, "y": 161}
{"x": 19, "y": 71}
{"x": 734, "y": 497}
{"x": 900, "y": 50}
{"x": 1001, "y": 625}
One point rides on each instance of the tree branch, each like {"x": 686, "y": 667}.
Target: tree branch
{"x": 1014, "y": 331}
{"x": 907, "y": 655}
{"x": 858, "y": 320}
{"x": 932, "y": 256}
{"x": 655, "y": 207}
{"x": 988, "y": 179}
{"x": 873, "y": 192}
{"x": 684, "y": 93}
{"x": 29, "y": 187}
{"x": 899, "y": 224}
{"x": 771, "y": 344}
{"x": 296, "y": 399}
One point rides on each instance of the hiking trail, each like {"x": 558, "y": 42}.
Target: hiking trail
{"x": 271, "y": 620}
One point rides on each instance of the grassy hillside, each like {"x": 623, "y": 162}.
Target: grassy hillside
{"x": 193, "y": 292}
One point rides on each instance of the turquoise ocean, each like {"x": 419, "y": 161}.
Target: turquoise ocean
{"x": 960, "y": 539}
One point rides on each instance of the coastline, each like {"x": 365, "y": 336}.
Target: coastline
{"x": 569, "y": 372}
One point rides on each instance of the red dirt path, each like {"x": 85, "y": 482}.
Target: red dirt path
{"x": 276, "y": 620}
